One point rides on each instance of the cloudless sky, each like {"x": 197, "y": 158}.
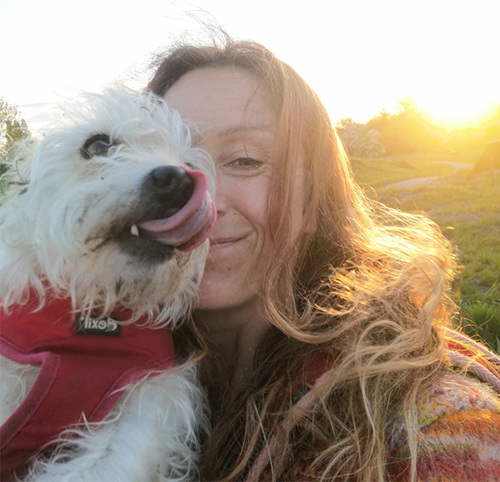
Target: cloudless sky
{"x": 361, "y": 56}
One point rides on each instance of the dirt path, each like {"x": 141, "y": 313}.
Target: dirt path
{"x": 419, "y": 181}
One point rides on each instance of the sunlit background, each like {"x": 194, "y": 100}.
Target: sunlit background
{"x": 361, "y": 56}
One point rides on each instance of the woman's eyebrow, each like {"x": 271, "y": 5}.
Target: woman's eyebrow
{"x": 198, "y": 135}
{"x": 242, "y": 128}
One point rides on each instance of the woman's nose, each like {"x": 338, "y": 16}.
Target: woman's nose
{"x": 221, "y": 196}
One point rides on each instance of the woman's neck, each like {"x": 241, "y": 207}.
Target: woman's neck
{"x": 233, "y": 334}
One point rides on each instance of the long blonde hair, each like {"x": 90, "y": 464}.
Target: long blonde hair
{"x": 361, "y": 303}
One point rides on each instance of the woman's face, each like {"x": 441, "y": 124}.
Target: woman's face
{"x": 238, "y": 129}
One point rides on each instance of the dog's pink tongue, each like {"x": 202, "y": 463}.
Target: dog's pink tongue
{"x": 190, "y": 226}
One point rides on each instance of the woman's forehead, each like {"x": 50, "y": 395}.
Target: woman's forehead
{"x": 225, "y": 98}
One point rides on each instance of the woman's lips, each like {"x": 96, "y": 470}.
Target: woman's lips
{"x": 219, "y": 244}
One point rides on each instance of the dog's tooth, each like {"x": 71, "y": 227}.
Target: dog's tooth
{"x": 134, "y": 230}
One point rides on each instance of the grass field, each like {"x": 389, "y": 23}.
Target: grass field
{"x": 467, "y": 209}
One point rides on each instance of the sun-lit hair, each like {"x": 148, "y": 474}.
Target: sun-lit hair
{"x": 360, "y": 298}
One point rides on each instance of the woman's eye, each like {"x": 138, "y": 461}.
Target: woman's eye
{"x": 98, "y": 145}
{"x": 246, "y": 163}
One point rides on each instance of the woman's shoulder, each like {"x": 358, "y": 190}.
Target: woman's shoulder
{"x": 458, "y": 431}
{"x": 454, "y": 394}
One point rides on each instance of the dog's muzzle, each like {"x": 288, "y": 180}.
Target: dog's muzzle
{"x": 180, "y": 210}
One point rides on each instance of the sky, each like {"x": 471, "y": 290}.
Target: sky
{"x": 360, "y": 56}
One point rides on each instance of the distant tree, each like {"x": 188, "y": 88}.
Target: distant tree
{"x": 406, "y": 131}
{"x": 359, "y": 139}
{"x": 465, "y": 139}
{"x": 477, "y": 137}
{"x": 491, "y": 127}
{"x": 12, "y": 129}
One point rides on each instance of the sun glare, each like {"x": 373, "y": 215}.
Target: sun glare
{"x": 458, "y": 98}
{"x": 457, "y": 113}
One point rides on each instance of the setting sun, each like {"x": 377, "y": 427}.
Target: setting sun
{"x": 458, "y": 118}
{"x": 456, "y": 110}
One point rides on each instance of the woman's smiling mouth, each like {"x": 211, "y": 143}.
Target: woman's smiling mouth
{"x": 218, "y": 244}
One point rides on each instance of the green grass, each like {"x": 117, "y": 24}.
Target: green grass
{"x": 467, "y": 157}
{"x": 467, "y": 209}
{"x": 380, "y": 172}
{"x": 481, "y": 320}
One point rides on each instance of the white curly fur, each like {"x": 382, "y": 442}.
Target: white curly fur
{"x": 57, "y": 230}
{"x": 55, "y": 225}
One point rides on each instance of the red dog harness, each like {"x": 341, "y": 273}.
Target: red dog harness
{"x": 81, "y": 376}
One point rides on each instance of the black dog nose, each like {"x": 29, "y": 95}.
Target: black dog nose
{"x": 167, "y": 189}
{"x": 172, "y": 179}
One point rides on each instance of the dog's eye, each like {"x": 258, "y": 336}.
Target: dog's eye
{"x": 98, "y": 145}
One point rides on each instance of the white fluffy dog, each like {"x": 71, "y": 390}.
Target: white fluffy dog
{"x": 103, "y": 243}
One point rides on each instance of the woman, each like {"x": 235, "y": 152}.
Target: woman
{"x": 326, "y": 316}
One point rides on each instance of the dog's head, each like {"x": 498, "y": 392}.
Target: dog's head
{"x": 113, "y": 209}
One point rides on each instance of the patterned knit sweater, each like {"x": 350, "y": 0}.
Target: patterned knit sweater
{"x": 459, "y": 433}
{"x": 459, "y": 425}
